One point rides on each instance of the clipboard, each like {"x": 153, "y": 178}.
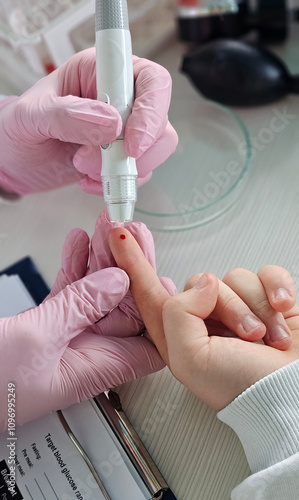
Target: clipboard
{"x": 31, "y": 278}
{"x": 138, "y": 468}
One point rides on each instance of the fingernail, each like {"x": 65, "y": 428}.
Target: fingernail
{"x": 277, "y": 333}
{"x": 202, "y": 282}
{"x": 251, "y": 323}
{"x": 281, "y": 294}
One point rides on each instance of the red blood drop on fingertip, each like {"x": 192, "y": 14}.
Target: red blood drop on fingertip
{"x": 122, "y": 237}
{"x": 49, "y": 68}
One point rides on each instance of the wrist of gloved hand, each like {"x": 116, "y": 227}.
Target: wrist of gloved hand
{"x": 6, "y": 184}
{"x": 51, "y": 135}
{"x": 49, "y": 374}
{"x": 59, "y": 353}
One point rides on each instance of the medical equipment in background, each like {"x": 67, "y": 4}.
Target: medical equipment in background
{"x": 36, "y": 36}
{"x": 204, "y": 20}
{"x": 115, "y": 86}
{"x": 226, "y": 63}
{"x": 237, "y": 73}
{"x": 41, "y": 29}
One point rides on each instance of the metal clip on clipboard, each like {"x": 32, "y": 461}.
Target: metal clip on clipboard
{"x": 110, "y": 406}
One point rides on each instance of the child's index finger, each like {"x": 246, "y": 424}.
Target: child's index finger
{"x": 149, "y": 294}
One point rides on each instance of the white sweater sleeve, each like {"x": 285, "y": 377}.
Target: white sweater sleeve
{"x": 266, "y": 419}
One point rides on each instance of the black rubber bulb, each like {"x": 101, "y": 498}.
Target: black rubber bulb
{"x": 237, "y": 73}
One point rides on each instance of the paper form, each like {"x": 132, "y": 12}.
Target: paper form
{"x": 14, "y": 296}
{"x": 49, "y": 467}
{"x": 46, "y": 464}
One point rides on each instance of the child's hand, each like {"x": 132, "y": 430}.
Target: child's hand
{"x": 217, "y": 368}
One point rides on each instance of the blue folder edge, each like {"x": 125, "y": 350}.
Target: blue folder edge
{"x": 31, "y": 278}
{"x": 38, "y": 289}
{"x": 168, "y": 495}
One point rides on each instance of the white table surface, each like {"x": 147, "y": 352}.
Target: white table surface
{"x": 200, "y": 457}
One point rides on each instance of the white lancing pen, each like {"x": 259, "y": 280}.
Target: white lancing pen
{"x": 115, "y": 86}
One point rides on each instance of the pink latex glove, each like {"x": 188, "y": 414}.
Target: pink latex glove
{"x": 51, "y": 135}
{"x": 58, "y": 353}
